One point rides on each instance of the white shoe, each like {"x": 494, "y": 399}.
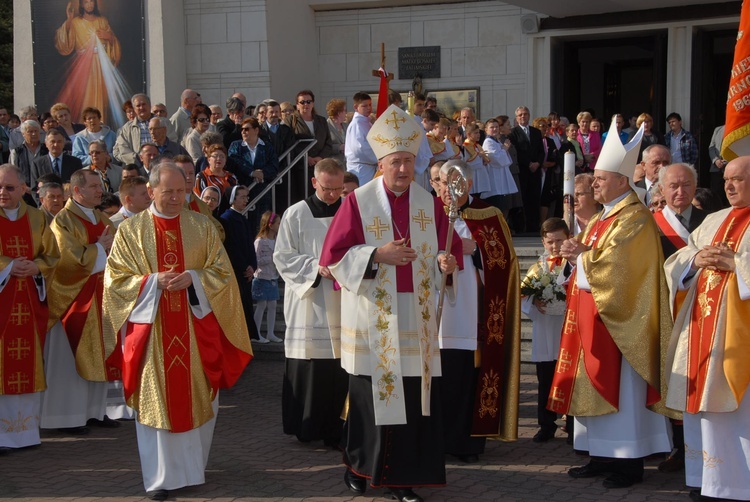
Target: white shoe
{"x": 261, "y": 339}
{"x": 274, "y": 338}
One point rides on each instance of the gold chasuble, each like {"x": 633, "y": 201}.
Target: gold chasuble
{"x": 711, "y": 339}
{"x": 626, "y": 314}
{"x": 23, "y": 316}
{"x": 76, "y": 294}
{"x": 174, "y": 366}
{"x": 499, "y": 332}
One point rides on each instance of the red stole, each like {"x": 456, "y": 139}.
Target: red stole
{"x": 491, "y": 334}
{"x": 710, "y": 294}
{"x": 194, "y": 205}
{"x": 74, "y": 319}
{"x": 23, "y": 316}
{"x": 584, "y": 330}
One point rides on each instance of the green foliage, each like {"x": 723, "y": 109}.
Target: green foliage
{"x": 6, "y": 54}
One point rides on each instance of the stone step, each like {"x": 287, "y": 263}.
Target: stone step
{"x": 528, "y": 250}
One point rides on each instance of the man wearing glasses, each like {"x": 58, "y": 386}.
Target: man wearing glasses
{"x": 315, "y": 385}
{"x": 157, "y": 126}
{"x": 28, "y": 254}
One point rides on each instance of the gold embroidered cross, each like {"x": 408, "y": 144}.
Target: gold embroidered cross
{"x": 19, "y": 350}
{"x": 570, "y": 322}
{"x": 378, "y": 227}
{"x": 395, "y": 120}
{"x": 565, "y": 361}
{"x": 422, "y": 220}
{"x": 19, "y": 382}
{"x": 18, "y": 245}
{"x": 20, "y": 314}
{"x": 557, "y": 397}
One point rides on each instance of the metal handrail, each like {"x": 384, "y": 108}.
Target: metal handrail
{"x": 285, "y": 171}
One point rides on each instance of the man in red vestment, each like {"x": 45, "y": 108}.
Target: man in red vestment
{"x": 171, "y": 291}
{"x": 28, "y": 253}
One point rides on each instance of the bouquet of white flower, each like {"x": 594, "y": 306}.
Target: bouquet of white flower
{"x": 544, "y": 287}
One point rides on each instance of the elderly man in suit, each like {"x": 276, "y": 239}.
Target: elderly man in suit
{"x": 56, "y": 161}
{"x": 530, "y": 151}
{"x": 111, "y": 174}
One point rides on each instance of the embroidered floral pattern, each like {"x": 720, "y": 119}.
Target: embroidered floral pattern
{"x": 19, "y": 424}
{"x": 385, "y": 350}
{"x": 496, "y": 321}
{"x": 424, "y": 294}
{"x": 711, "y": 462}
{"x": 396, "y": 140}
{"x": 490, "y": 394}
{"x": 493, "y": 249}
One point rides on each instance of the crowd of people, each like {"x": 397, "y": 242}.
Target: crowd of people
{"x": 120, "y": 293}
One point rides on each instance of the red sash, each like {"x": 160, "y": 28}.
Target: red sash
{"x": 497, "y": 268}
{"x": 669, "y": 232}
{"x": 74, "y": 319}
{"x": 584, "y": 331}
{"x": 24, "y": 317}
{"x": 710, "y": 295}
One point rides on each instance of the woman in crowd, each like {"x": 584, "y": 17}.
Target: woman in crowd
{"x": 584, "y": 204}
{"x": 48, "y": 122}
{"x": 590, "y": 141}
{"x": 706, "y": 199}
{"x": 556, "y": 130}
{"x": 307, "y": 124}
{"x": 212, "y": 197}
{"x": 650, "y": 136}
{"x": 570, "y": 144}
{"x": 215, "y": 174}
{"x": 94, "y": 131}
{"x": 266, "y": 282}
{"x": 336, "y": 110}
{"x": 128, "y": 110}
{"x": 287, "y": 110}
{"x": 240, "y": 249}
{"x": 32, "y": 148}
{"x": 61, "y": 112}
{"x": 501, "y": 178}
{"x": 551, "y": 172}
{"x": 200, "y": 120}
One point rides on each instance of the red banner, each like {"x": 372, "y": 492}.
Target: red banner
{"x": 737, "y": 132}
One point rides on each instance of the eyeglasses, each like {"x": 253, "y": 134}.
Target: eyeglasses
{"x": 202, "y": 119}
{"x": 330, "y": 189}
{"x": 8, "y": 188}
{"x": 217, "y": 156}
{"x": 247, "y": 129}
{"x": 305, "y": 101}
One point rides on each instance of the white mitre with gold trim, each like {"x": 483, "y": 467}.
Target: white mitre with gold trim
{"x": 395, "y": 131}
{"x": 616, "y": 157}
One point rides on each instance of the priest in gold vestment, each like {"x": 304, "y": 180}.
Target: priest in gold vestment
{"x": 28, "y": 253}
{"x": 707, "y": 365}
{"x": 75, "y": 358}
{"x": 170, "y": 291}
{"x": 616, "y": 328}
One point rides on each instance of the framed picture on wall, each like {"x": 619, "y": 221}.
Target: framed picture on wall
{"x": 450, "y": 101}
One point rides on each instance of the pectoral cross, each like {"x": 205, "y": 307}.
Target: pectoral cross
{"x": 18, "y": 350}
{"x": 18, "y": 245}
{"x": 564, "y": 362}
{"x": 378, "y": 227}
{"x": 422, "y": 220}
{"x": 19, "y": 315}
{"x": 19, "y": 382}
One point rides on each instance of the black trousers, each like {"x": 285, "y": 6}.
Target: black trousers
{"x": 545, "y": 371}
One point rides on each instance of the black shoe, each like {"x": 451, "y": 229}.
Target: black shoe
{"x": 542, "y": 436}
{"x": 355, "y": 483}
{"x": 469, "y": 459}
{"x": 405, "y": 495}
{"x": 74, "y": 431}
{"x": 674, "y": 463}
{"x": 4, "y": 450}
{"x": 105, "y": 422}
{"x": 158, "y": 495}
{"x": 619, "y": 480}
{"x": 696, "y": 495}
{"x": 590, "y": 470}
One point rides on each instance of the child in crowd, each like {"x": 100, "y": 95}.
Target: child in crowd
{"x": 548, "y": 320}
{"x": 266, "y": 278}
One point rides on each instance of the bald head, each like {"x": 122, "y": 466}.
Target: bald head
{"x": 737, "y": 182}
{"x": 188, "y": 99}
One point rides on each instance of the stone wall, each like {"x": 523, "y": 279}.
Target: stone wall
{"x": 481, "y": 46}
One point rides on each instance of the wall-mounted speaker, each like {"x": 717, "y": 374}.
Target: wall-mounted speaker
{"x": 529, "y": 24}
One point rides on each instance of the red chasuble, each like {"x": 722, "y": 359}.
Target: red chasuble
{"x": 23, "y": 316}
{"x": 222, "y": 363}
{"x": 584, "y": 331}
{"x": 74, "y": 319}
{"x": 711, "y": 292}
